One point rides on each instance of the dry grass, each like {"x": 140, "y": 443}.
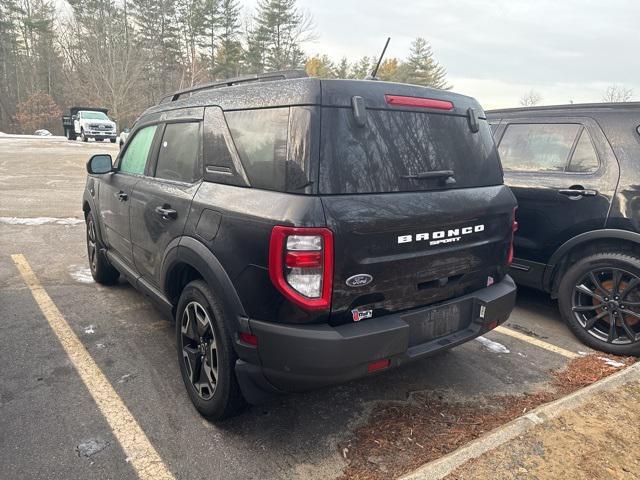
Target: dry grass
{"x": 399, "y": 438}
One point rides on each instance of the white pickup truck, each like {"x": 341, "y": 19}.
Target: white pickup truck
{"x": 87, "y": 123}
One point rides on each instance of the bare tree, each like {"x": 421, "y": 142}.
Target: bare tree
{"x": 530, "y": 99}
{"x": 617, "y": 93}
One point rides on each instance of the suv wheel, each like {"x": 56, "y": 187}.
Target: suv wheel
{"x": 599, "y": 298}
{"x": 101, "y": 270}
{"x": 205, "y": 353}
{"x": 83, "y": 136}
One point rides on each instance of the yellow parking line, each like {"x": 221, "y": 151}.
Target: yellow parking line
{"x": 141, "y": 454}
{"x": 536, "y": 342}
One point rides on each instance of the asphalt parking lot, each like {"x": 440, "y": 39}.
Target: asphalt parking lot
{"x": 50, "y": 425}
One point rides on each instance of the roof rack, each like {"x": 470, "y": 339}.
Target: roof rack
{"x": 571, "y": 106}
{"x": 255, "y": 78}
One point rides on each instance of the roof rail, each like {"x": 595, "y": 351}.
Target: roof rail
{"x": 254, "y": 78}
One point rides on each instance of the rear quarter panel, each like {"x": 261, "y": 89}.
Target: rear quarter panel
{"x": 235, "y": 223}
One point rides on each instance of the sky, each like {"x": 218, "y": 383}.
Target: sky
{"x": 496, "y": 51}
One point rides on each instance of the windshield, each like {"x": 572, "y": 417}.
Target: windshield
{"x": 396, "y": 151}
{"x": 93, "y": 116}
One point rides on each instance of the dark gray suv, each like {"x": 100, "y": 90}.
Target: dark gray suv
{"x": 304, "y": 232}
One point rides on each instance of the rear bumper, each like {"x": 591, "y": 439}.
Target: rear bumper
{"x": 293, "y": 358}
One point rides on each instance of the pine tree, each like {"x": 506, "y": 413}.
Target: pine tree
{"x": 210, "y": 26}
{"x": 421, "y": 68}
{"x": 275, "y": 42}
{"x": 342, "y": 70}
{"x": 192, "y": 28}
{"x": 229, "y": 61}
{"x": 158, "y": 43}
{"x": 361, "y": 69}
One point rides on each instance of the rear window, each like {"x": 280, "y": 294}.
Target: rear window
{"x": 396, "y": 146}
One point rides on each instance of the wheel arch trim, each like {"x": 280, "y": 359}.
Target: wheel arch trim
{"x": 607, "y": 233}
{"x": 194, "y": 253}
{"x": 90, "y": 201}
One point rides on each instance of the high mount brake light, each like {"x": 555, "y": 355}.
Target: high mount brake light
{"x": 401, "y": 101}
{"x": 514, "y": 229}
{"x": 301, "y": 265}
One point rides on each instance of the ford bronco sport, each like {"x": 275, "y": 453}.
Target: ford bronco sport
{"x": 304, "y": 232}
{"x": 574, "y": 171}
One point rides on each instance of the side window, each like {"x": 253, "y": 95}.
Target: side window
{"x": 584, "y": 158}
{"x": 135, "y": 156}
{"x": 260, "y": 137}
{"x": 537, "y": 147}
{"x": 179, "y": 156}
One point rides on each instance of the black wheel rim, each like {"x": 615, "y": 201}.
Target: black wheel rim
{"x": 199, "y": 349}
{"x": 606, "y": 303}
{"x": 91, "y": 245}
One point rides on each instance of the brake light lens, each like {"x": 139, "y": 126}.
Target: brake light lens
{"x": 301, "y": 265}
{"x": 514, "y": 229}
{"x": 402, "y": 101}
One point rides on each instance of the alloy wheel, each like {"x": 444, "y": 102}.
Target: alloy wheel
{"x": 606, "y": 303}
{"x": 199, "y": 349}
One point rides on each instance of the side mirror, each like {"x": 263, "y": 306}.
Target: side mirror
{"x": 74, "y": 117}
{"x": 126, "y": 130}
{"x": 100, "y": 164}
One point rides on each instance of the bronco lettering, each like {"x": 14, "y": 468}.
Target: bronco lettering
{"x": 441, "y": 236}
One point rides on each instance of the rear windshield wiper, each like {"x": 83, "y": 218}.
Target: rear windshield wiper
{"x": 446, "y": 175}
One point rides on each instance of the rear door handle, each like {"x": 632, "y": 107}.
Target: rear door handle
{"x": 574, "y": 192}
{"x": 166, "y": 212}
{"x": 123, "y": 197}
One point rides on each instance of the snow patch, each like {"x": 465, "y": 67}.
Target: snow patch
{"x": 91, "y": 447}
{"x": 91, "y": 329}
{"x": 41, "y": 221}
{"x": 126, "y": 377}
{"x": 492, "y": 346}
{"x": 612, "y": 363}
{"x": 81, "y": 274}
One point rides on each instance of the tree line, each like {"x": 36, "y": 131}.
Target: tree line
{"x": 125, "y": 54}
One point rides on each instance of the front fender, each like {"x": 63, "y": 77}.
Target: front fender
{"x": 89, "y": 204}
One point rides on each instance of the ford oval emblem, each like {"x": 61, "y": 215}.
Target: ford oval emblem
{"x": 359, "y": 280}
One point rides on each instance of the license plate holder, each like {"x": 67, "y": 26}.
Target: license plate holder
{"x": 434, "y": 323}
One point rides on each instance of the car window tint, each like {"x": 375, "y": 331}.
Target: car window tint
{"x": 135, "y": 156}
{"x": 584, "y": 158}
{"x": 537, "y": 147}
{"x": 179, "y": 156}
{"x": 390, "y": 152}
{"x": 260, "y": 137}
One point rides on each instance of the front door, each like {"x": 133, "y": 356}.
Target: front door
{"x": 116, "y": 190}
{"x": 564, "y": 175}
{"x": 161, "y": 202}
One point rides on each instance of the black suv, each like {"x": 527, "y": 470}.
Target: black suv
{"x": 304, "y": 232}
{"x": 575, "y": 170}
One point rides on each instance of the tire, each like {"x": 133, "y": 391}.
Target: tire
{"x": 83, "y": 136}
{"x": 216, "y": 396}
{"x": 599, "y": 298}
{"x": 101, "y": 270}
{"x": 112, "y": 140}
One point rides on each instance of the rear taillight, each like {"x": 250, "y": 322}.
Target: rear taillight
{"x": 402, "y": 101}
{"x": 301, "y": 265}
{"x": 514, "y": 229}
